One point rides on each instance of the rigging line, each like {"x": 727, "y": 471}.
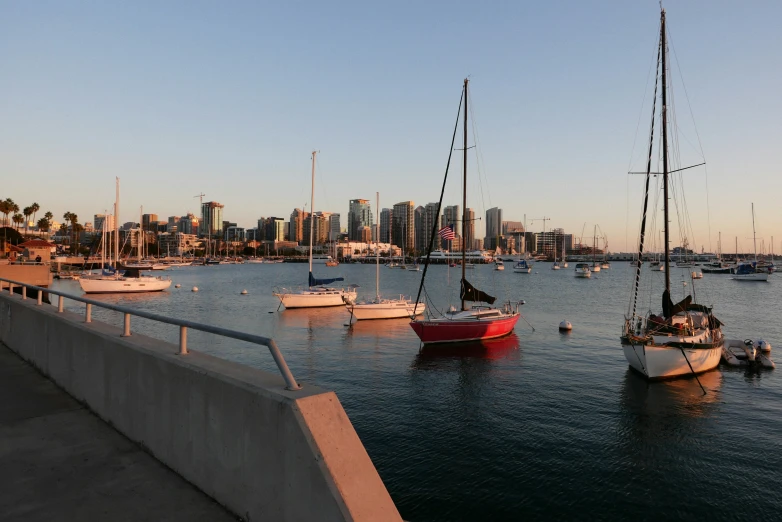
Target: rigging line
{"x": 478, "y": 158}
{"x": 440, "y": 202}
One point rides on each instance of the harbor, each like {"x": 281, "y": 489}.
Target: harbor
{"x": 512, "y": 427}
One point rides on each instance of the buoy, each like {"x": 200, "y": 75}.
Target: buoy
{"x": 177, "y": 285}
{"x": 244, "y": 292}
{"x": 195, "y": 289}
{"x": 565, "y": 326}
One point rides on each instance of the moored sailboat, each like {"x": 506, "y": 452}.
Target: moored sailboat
{"x": 476, "y": 322}
{"x": 686, "y": 338}
{"x": 317, "y": 294}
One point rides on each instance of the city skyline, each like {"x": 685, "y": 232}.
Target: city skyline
{"x": 101, "y": 91}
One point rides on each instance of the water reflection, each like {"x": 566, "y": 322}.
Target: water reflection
{"x": 493, "y": 349}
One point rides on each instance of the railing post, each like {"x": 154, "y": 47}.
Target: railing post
{"x": 126, "y": 332}
{"x": 11, "y": 288}
{"x": 88, "y": 314}
{"x": 24, "y": 292}
{"x": 182, "y": 340}
{"x": 282, "y": 366}
{"x": 60, "y": 302}
{"x": 40, "y": 297}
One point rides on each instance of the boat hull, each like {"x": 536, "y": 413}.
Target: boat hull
{"x": 665, "y": 362}
{"x": 759, "y": 276}
{"x": 454, "y": 331}
{"x": 390, "y": 310}
{"x": 123, "y": 285}
{"x": 315, "y": 299}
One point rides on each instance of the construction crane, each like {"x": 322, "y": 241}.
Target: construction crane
{"x": 543, "y": 219}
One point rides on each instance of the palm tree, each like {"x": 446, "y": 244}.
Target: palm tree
{"x": 28, "y": 211}
{"x": 43, "y": 225}
{"x": 36, "y": 207}
{"x": 18, "y": 219}
{"x": 6, "y": 207}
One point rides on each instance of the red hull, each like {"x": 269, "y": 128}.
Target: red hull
{"x": 445, "y": 331}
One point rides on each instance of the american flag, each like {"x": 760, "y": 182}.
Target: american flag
{"x": 447, "y": 233}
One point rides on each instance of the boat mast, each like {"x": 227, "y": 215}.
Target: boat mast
{"x": 312, "y": 207}
{"x": 464, "y": 194}
{"x": 665, "y": 152}
{"x": 116, "y": 231}
{"x": 377, "y": 247}
{"x": 754, "y": 240}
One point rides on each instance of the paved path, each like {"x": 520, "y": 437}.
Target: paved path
{"x": 58, "y": 461}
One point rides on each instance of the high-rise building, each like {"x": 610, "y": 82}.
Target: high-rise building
{"x": 514, "y": 233}
{"x": 188, "y": 224}
{"x": 426, "y": 219}
{"x": 452, "y": 216}
{"x": 149, "y": 222}
{"x": 296, "y": 226}
{"x": 334, "y": 227}
{"x": 470, "y": 235}
{"x": 234, "y": 233}
{"x": 211, "y": 219}
{"x": 365, "y": 234}
{"x": 359, "y": 215}
{"x": 173, "y": 224}
{"x": 385, "y": 225}
{"x": 403, "y": 229}
{"x": 493, "y": 228}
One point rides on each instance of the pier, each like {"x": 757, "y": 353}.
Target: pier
{"x": 258, "y": 446}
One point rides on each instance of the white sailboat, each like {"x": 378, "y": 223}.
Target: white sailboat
{"x": 686, "y": 338}
{"x": 121, "y": 281}
{"x": 380, "y": 307}
{"x": 750, "y": 271}
{"x": 317, "y": 294}
{"x": 564, "y": 253}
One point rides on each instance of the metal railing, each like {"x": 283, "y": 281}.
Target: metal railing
{"x": 183, "y": 325}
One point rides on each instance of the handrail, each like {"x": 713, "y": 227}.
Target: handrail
{"x": 183, "y": 324}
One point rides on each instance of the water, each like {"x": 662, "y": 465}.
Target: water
{"x": 538, "y": 425}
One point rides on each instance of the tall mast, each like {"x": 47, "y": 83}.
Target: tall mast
{"x": 464, "y": 193}
{"x": 312, "y": 207}
{"x": 116, "y": 231}
{"x": 377, "y": 247}
{"x": 665, "y": 153}
{"x": 754, "y": 240}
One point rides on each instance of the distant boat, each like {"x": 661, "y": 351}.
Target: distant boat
{"x": 384, "y": 308}
{"x": 317, "y": 294}
{"x": 582, "y": 270}
{"x": 522, "y": 267}
{"x": 751, "y": 271}
{"x": 499, "y": 265}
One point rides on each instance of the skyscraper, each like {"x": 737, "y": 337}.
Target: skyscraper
{"x": 403, "y": 229}
{"x": 493, "y": 228}
{"x": 359, "y": 215}
{"x": 452, "y": 216}
{"x": 149, "y": 222}
{"x": 296, "y": 226}
{"x": 385, "y": 225}
{"x": 470, "y": 235}
{"x": 334, "y": 227}
{"x": 211, "y": 219}
{"x": 100, "y": 219}
{"x": 426, "y": 219}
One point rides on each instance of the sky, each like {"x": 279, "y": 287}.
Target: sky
{"x": 177, "y": 98}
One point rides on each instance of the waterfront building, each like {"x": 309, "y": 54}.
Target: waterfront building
{"x": 403, "y": 229}
{"x": 176, "y": 243}
{"x": 513, "y": 231}
{"x": 98, "y": 221}
{"x": 550, "y": 242}
{"x": 211, "y": 219}
{"x": 452, "y": 216}
{"x": 385, "y": 225}
{"x": 253, "y": 234}
{"x": 234, "y": 234}
{"x": 366, "y": 234}
{"x": 188, "y": 224}
{"x": 334, "y": 226}
{"x": 173, "y": 224}
{"x": 493, "y": 228}
{"x": 359, "y": 215}
{"x": 470, "y": 238}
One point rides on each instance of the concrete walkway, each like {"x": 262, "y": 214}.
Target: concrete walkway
{"x": 58, "y": 461}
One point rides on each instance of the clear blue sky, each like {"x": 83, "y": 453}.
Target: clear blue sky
{"x": 229, "y": 98}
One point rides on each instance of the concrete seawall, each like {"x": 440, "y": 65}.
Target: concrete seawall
{"x": 233, "y": 431}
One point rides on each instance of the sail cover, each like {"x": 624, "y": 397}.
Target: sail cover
{"x": 318, "y": 282}
{"x": 470, "y": 293}
{"x": 670, "y": 309}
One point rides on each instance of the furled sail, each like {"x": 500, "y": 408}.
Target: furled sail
{"x": 318, "y": 282}
{"x": 670, "y": 309}
{"x": 470, "y": 293}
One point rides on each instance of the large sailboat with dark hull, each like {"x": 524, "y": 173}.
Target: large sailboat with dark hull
{"x": 685, "y": 338}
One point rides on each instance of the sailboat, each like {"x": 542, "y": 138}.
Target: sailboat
{"x": 477, "y": 322}
{"x": 381, "y": 308}
{"x": 750, "y": 271}
{"x": 595, "y": 264}
{"x": 317, "y": 294}
{"x": 121, "y": 281}
{"x": 686, "y": 338}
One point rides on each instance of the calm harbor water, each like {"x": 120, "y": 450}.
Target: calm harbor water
{"x": 537, "y": 425}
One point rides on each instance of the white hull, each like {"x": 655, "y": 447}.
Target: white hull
{"x": 386, "y": 309}
{"x": 596, "y": 268}
{"x": 522, "y": 270}
{"x": 751, "y": 277}
{"x": 660, "y": 362}
{"x": 315, "y": 298}
{"x": 123, "y": 285}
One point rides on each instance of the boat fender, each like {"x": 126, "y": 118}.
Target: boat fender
{"x": 763, "y": 346}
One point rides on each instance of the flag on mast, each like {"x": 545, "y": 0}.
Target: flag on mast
{"x": 447, "y": 233}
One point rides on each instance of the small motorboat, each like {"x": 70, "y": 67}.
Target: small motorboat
{"x": 499, "y": 265}
{"x": 747, "y": 353}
